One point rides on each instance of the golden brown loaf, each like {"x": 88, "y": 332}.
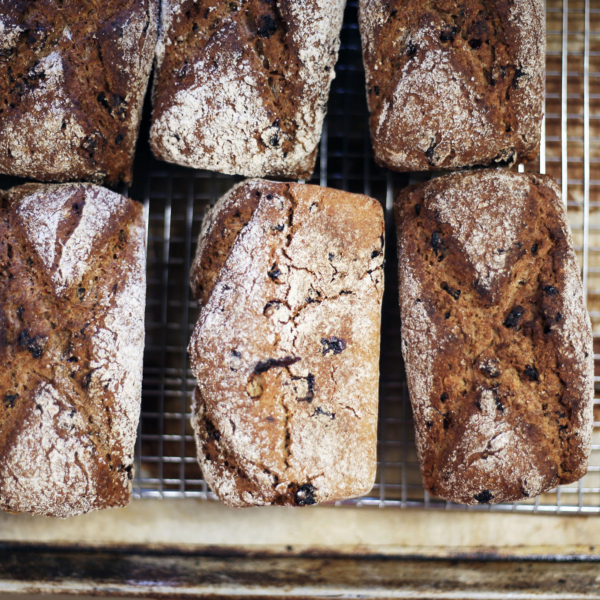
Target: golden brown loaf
{"x": 454, "y": 83}
{"x": 286, "y": 350}
{"x": 495, "y": 336}
{"x": 73, "y": 74}
{"x": 242, "y": 87}
{"x": 72, "y": 293}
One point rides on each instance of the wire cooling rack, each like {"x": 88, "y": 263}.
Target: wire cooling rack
{"x": 175, "y": 199}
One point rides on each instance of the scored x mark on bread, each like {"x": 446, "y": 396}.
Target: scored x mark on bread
{"x": 72, "y": 304}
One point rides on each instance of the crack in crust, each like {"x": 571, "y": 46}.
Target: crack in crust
{"x": 295, "y": 425}
{"x": 500, "y": 375}
{"x": 454, "y": 83}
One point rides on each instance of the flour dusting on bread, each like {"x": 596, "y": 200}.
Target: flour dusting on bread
{"x": 72, "y": 327}
{"x": 495, "y": 336}
{"x": 286, "y": 348}
{"x": 223, "y": 110}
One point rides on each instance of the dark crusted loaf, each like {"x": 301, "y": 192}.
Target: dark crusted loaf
{"x": 495, "y": 336}
{"x": 453, "y": 83}
{"x": 286, "y": 350}
{"x": 71, "y": 341}
{"x": 242, "y": 87}
{"x": 73, "y": 74}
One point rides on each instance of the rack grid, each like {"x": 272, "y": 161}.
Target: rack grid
{"x": 175, "y": 199}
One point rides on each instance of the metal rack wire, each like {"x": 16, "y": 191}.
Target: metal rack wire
{"x": 175, "y": 199}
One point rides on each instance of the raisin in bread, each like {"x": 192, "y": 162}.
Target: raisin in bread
{"x": 242, "y": 87}
{"x": 286, "y": 349}
{"x": 72, "y": 81}
{"x": 495, "y": 336}
{"x": 71, "y": 341}
{"x": 451, "y": 83}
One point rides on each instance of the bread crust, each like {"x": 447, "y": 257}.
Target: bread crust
{"x": 495, "y": 336}
{"x": 73, "y": 76}
{"x": 71, "y": 343}
{"x": 286, "y": 350}
{"x": 242, "y": 87}
{"x": 453, "y": 84}
{"x": 221, "y": 225}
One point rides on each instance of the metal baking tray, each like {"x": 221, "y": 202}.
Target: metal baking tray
{"x": 175, "y": 540}
{"x": 175, "y": 199}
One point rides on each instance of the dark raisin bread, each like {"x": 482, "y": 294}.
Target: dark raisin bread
{"x": 73, "y": 75}
{"x": 454, "y": 83}
{"x": 242, "y": 87}
{"x": 495, "y": 336}
{"x": 72, "y": 292}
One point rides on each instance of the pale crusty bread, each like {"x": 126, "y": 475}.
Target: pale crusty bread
{"x": 242, "y": 87}
{"x": 72, "y": 293}
{"x": 451, "y": 83}
{"x": 495, "y": 336}
{"x": 286, "y": 350}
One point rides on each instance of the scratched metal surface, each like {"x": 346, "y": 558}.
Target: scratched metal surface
{"x": 175, "y": 199}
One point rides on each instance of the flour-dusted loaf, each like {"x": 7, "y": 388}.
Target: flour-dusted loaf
{"x": 73, "y": 74}
{"x": 495, "y": 336}
{"x": 286, "y": 350}
{"x": 72, "y": 291}
{"x": 242, "y": 87}
{"x": 454, "y": 83}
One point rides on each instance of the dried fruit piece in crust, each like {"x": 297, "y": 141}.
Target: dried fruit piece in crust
{"x": 72, "y": 82}
{"x": 71, "y": 343}
{"x": 451, "y": 84}
{"x": 286, "y": 350}
{"x": 495, "y": 336}
{"x": 242, "y": 87}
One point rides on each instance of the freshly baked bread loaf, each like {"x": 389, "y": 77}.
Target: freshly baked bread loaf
{"x": 495, "y": 336}
{"x": 72, "y": 292}
{"x": 451, "y": 83}
{"x": 242, "y": 87}
{"x": 73, "y": 75}
{"x": 286, "y": 350}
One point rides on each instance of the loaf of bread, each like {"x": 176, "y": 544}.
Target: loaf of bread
{"x": 242, "y": 87}
{"x": 451, "y": 83}
{"x": 72, "y": 293}
{"x": 495, "y": 336}
{"x": 72, "y": 81}
{"x": 286, "y": 350}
